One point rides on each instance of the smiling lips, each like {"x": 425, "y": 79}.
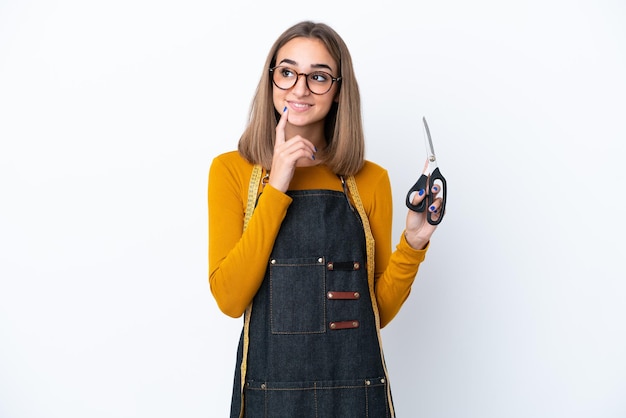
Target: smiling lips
{"x": 299, "y": 106}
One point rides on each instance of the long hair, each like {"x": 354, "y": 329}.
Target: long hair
{"x": 343, "y": 127}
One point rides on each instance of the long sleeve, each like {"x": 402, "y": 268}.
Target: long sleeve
{"x": 238, "y": 259}
{"x": 394, "y": 271}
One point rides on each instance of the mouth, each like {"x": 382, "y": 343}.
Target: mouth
{"x": 299, "y": 106}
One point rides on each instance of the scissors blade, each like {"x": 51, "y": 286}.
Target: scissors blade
{"x": 431, "y": 150}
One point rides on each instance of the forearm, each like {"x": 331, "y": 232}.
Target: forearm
{"x": 394, "y": 284}
{"x": 237, "y": 269}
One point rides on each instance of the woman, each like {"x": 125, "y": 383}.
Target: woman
{"x": 301, "y": 245}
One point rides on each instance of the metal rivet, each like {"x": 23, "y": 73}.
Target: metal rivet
{"x": 332, "y": 325}
{"x": 330, "y": 295}
{"x": 262, "y": 385}
{"x": 382, "y": 380}
{"x": 367, "y": 382}
{"x": 355, "y": 324}
{"x": 320, "y": 260}
{"x": 357, "y": 295}
{"x": 357, "y": 265}
{"x": 330, "y": 266}
{"x": 273, "y": 261}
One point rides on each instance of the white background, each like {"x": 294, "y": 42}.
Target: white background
{"x": 110, "y": 115}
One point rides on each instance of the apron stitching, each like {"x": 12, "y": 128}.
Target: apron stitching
{"x": 315, "y": 396}
{"x": 367, "y": 403}
{"x": 266, "y": 402}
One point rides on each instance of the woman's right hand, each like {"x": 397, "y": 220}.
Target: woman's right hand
{"x": 287, "y": 153}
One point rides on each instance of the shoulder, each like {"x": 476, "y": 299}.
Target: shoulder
{"x": 231, "y": 169}
{"x": 231, "y": 158}
{"x": 374, "y": 186}
{"x": 231, "y": 162}
{"x": 371, "y": 175}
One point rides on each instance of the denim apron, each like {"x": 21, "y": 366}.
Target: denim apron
{"x": 313, "y": 343}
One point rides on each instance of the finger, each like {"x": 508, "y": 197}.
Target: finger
{"x": 435, "y": 189}
{"x": 280, "y": 128}
{"x": 436, "y": 208}
{"x": 299, "y": 147}
{"x": 417, "y": 197}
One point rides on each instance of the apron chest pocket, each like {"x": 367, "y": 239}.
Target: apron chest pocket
{"x": 298, "y": 295}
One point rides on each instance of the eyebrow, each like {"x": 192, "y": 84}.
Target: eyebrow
{"x": 316, "y": 66}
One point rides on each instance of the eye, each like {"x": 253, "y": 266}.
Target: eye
{"x": 287, "y": 72}
{"x": 320, "y": 77}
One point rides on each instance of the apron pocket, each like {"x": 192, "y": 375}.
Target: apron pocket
{"x": 297, "y": 296}
{"x": 360, "y": 398}
{"x": 356, "y": 398}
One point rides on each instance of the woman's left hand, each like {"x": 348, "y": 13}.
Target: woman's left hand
{"x": 418, "y": 231}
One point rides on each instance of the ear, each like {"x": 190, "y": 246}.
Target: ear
{"x": 337, "y": 91}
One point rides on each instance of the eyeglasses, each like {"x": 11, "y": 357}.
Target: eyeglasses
{"x": 318, "y": 82}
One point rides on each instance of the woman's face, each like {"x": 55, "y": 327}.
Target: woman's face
{"x": 305, "y": 56}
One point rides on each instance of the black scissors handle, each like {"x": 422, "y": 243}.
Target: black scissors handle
{"x": 420, "y": 184}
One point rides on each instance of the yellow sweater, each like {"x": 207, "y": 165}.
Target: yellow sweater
{"x": 238, "y": 259}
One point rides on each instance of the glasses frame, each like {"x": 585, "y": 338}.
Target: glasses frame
{"x": 306, "y": 79}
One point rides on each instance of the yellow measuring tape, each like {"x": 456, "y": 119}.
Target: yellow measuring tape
{"x": 253, "y": 190}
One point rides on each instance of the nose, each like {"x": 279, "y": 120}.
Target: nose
{"x": 301, "y": 87}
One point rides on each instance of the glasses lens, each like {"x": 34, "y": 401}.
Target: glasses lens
{"x": 319, "y": 82}
{"x": 284, "y": 77}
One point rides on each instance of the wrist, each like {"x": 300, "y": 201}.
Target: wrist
{"x": 416, "y": 243}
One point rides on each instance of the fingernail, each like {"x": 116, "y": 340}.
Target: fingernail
{"x": 313, "y": 156}
{"x": 421, "y": 192}
{"x": 435, "y": 189}
{"x": 284, "y": 109}
{"x": 433, "y": 208}
{"x": 315, "y": 148}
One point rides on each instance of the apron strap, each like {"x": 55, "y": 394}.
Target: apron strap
{"x": 369, "y": 242}
{"x": 253, "y": 189}
{"x": 370, "y": 248}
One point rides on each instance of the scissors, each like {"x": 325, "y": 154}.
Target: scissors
{"x": 431, "y": 177}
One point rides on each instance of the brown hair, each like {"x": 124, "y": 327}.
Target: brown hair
{"x": 343, "y": 126}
